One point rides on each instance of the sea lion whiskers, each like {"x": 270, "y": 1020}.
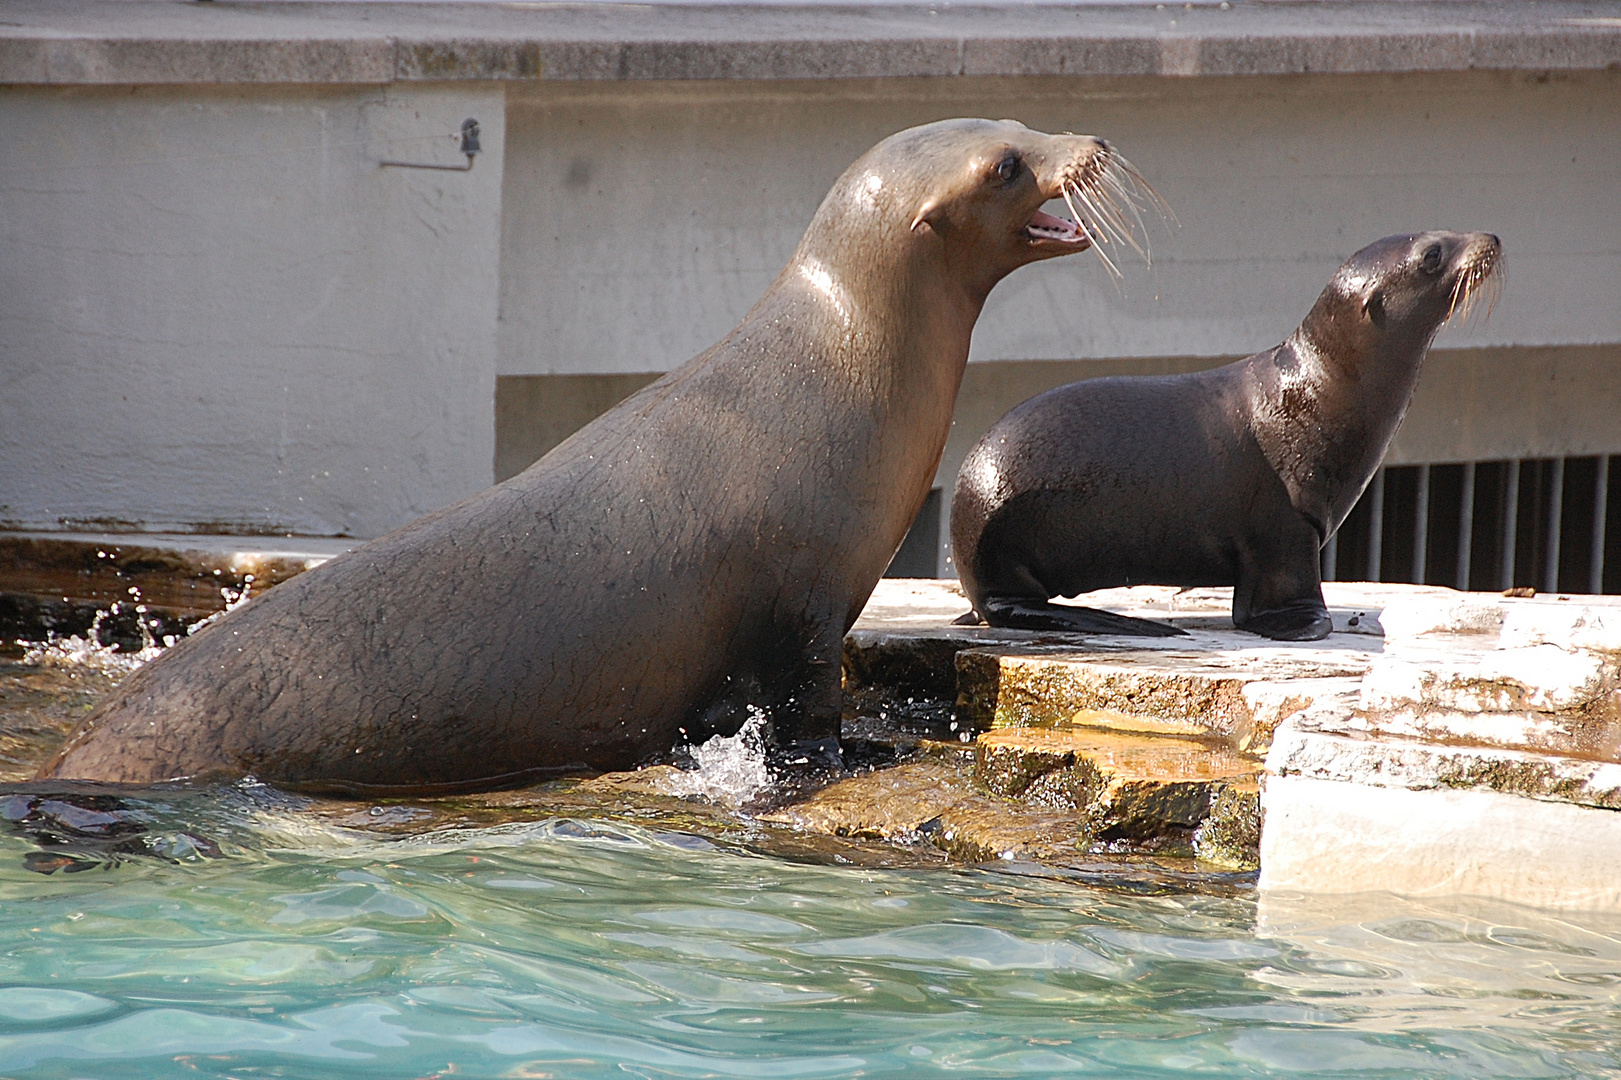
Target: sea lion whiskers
{"x": 1481, "y": 276}
{"x": 1116, "y": 197}
{"x": 1098, "y": 237}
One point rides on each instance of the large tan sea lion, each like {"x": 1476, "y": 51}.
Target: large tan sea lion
{"x": 1233, "y": 476}
{"x": 697, "y": 551}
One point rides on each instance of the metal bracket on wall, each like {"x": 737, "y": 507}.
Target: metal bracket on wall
{"x": 469, "y": 147}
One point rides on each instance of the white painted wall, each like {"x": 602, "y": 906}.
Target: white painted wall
{"x": 217, "y": 312}
{"x": 641, "y": 221}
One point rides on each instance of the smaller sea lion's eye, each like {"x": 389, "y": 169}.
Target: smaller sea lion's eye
{"x": 1008, "y": 168}
{"x": 1432, "y": 259}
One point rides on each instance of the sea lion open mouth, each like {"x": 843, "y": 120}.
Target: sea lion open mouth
{"x": 1045, "y": 226}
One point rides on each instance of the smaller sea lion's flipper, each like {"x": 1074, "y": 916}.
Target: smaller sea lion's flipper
{"x": 970, "y": 618}
{"x": 1031, "y": 613}
{"x": 1305, "y": 621}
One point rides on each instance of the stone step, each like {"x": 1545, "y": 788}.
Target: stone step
{"x": 1210, "y": 694}
{"x": 1048, "y": 795}
{"x": 904, "y": 660}
{"x": 1126, "y": 786}
{"x": 934, "y": 801}
{"x": 1352, "y": 811}
{"x": 1535, "y": 678}
{"x": 1357, "y": 757}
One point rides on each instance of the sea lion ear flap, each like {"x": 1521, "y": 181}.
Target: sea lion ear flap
{"x": 927, "y": 215}
{"x": 1374, "y": 305}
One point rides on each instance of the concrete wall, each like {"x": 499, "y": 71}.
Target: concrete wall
{"x": 642, "y": 221}
{"x": 218, "y": 313}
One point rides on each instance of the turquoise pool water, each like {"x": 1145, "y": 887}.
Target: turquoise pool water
{"x": 583, "y": 949}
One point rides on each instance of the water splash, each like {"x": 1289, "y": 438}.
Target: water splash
{"x": 234, "y": 598}
{"x": 89, "y": 652}
{"x": 731, "y": 769}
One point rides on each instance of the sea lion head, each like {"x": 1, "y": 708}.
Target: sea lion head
{"x": 1326, "y": 403}
{"x": 966, "y": 195}
{"x": 1399, "y": 291}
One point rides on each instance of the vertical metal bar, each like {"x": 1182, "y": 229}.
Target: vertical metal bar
{"x": 1376, "y": 525}
{"x": 1421, "y": 526}
{"x": 1511, "y": 523}
{"x": 1601, "y": 500}
{"x": 1331, "y": 557}
{"x": 1556, "y": 511}
{"x": 1466, "y": 525}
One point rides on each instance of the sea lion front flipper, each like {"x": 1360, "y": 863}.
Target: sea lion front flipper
{"x": 804, "y": 693}
{"x": 1302, "y": 621}
{"x": 1033, "y": 613}
{"x": 1285, "y": 600}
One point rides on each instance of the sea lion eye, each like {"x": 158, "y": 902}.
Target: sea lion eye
{"x": 1008, "y": 168}
{"x": 1432, "y": 259}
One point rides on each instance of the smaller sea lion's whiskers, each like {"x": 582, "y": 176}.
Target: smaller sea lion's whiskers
{"x": 1481, "y": 278}
{"x": 1115, "y": 198}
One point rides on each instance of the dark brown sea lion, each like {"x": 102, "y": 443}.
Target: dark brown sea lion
{"x": 699, "y": 550}
{"x": 1235, "y": 476}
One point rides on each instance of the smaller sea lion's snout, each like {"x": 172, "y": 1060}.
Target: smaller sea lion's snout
{"x": 1475, "y": 273}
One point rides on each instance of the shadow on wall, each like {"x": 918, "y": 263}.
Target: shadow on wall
{"x": 533, "y": 413}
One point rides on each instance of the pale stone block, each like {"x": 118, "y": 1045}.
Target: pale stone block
{"x": 1411, "y": 617}
{"x": 1568, "y": 626}
{"x": 1538, "y": 678}
{"x": 1373, "y": 762}
{"x": 1272, "y": 701}
{"x": 1551, "y": 677}
{"x": 1517, "y": 730}
{"x": 1326, "y": 836}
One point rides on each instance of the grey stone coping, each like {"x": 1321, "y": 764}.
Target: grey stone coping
{"x": 126, "y": 42}
{"x": 309, "y": 549}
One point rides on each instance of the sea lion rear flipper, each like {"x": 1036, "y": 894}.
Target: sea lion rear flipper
{"x": 970, "y": 618}
{"x": 1031, "y": 613}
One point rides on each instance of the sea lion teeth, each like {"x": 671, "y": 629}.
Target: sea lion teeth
{"x": 1045, "y": 226}
{"x": 1234, "y": 476}
{"x": 697, "y": 551}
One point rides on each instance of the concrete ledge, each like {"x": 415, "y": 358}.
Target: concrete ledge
{"x": 120, "y": 42}
{"x": 67, "y": 583}
{"x": 1430, "y": 843}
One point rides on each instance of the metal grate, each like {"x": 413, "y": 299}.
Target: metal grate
{"x": 1486, "y": 525}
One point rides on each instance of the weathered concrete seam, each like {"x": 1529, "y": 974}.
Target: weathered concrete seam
{"x": 34, "y": 56}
